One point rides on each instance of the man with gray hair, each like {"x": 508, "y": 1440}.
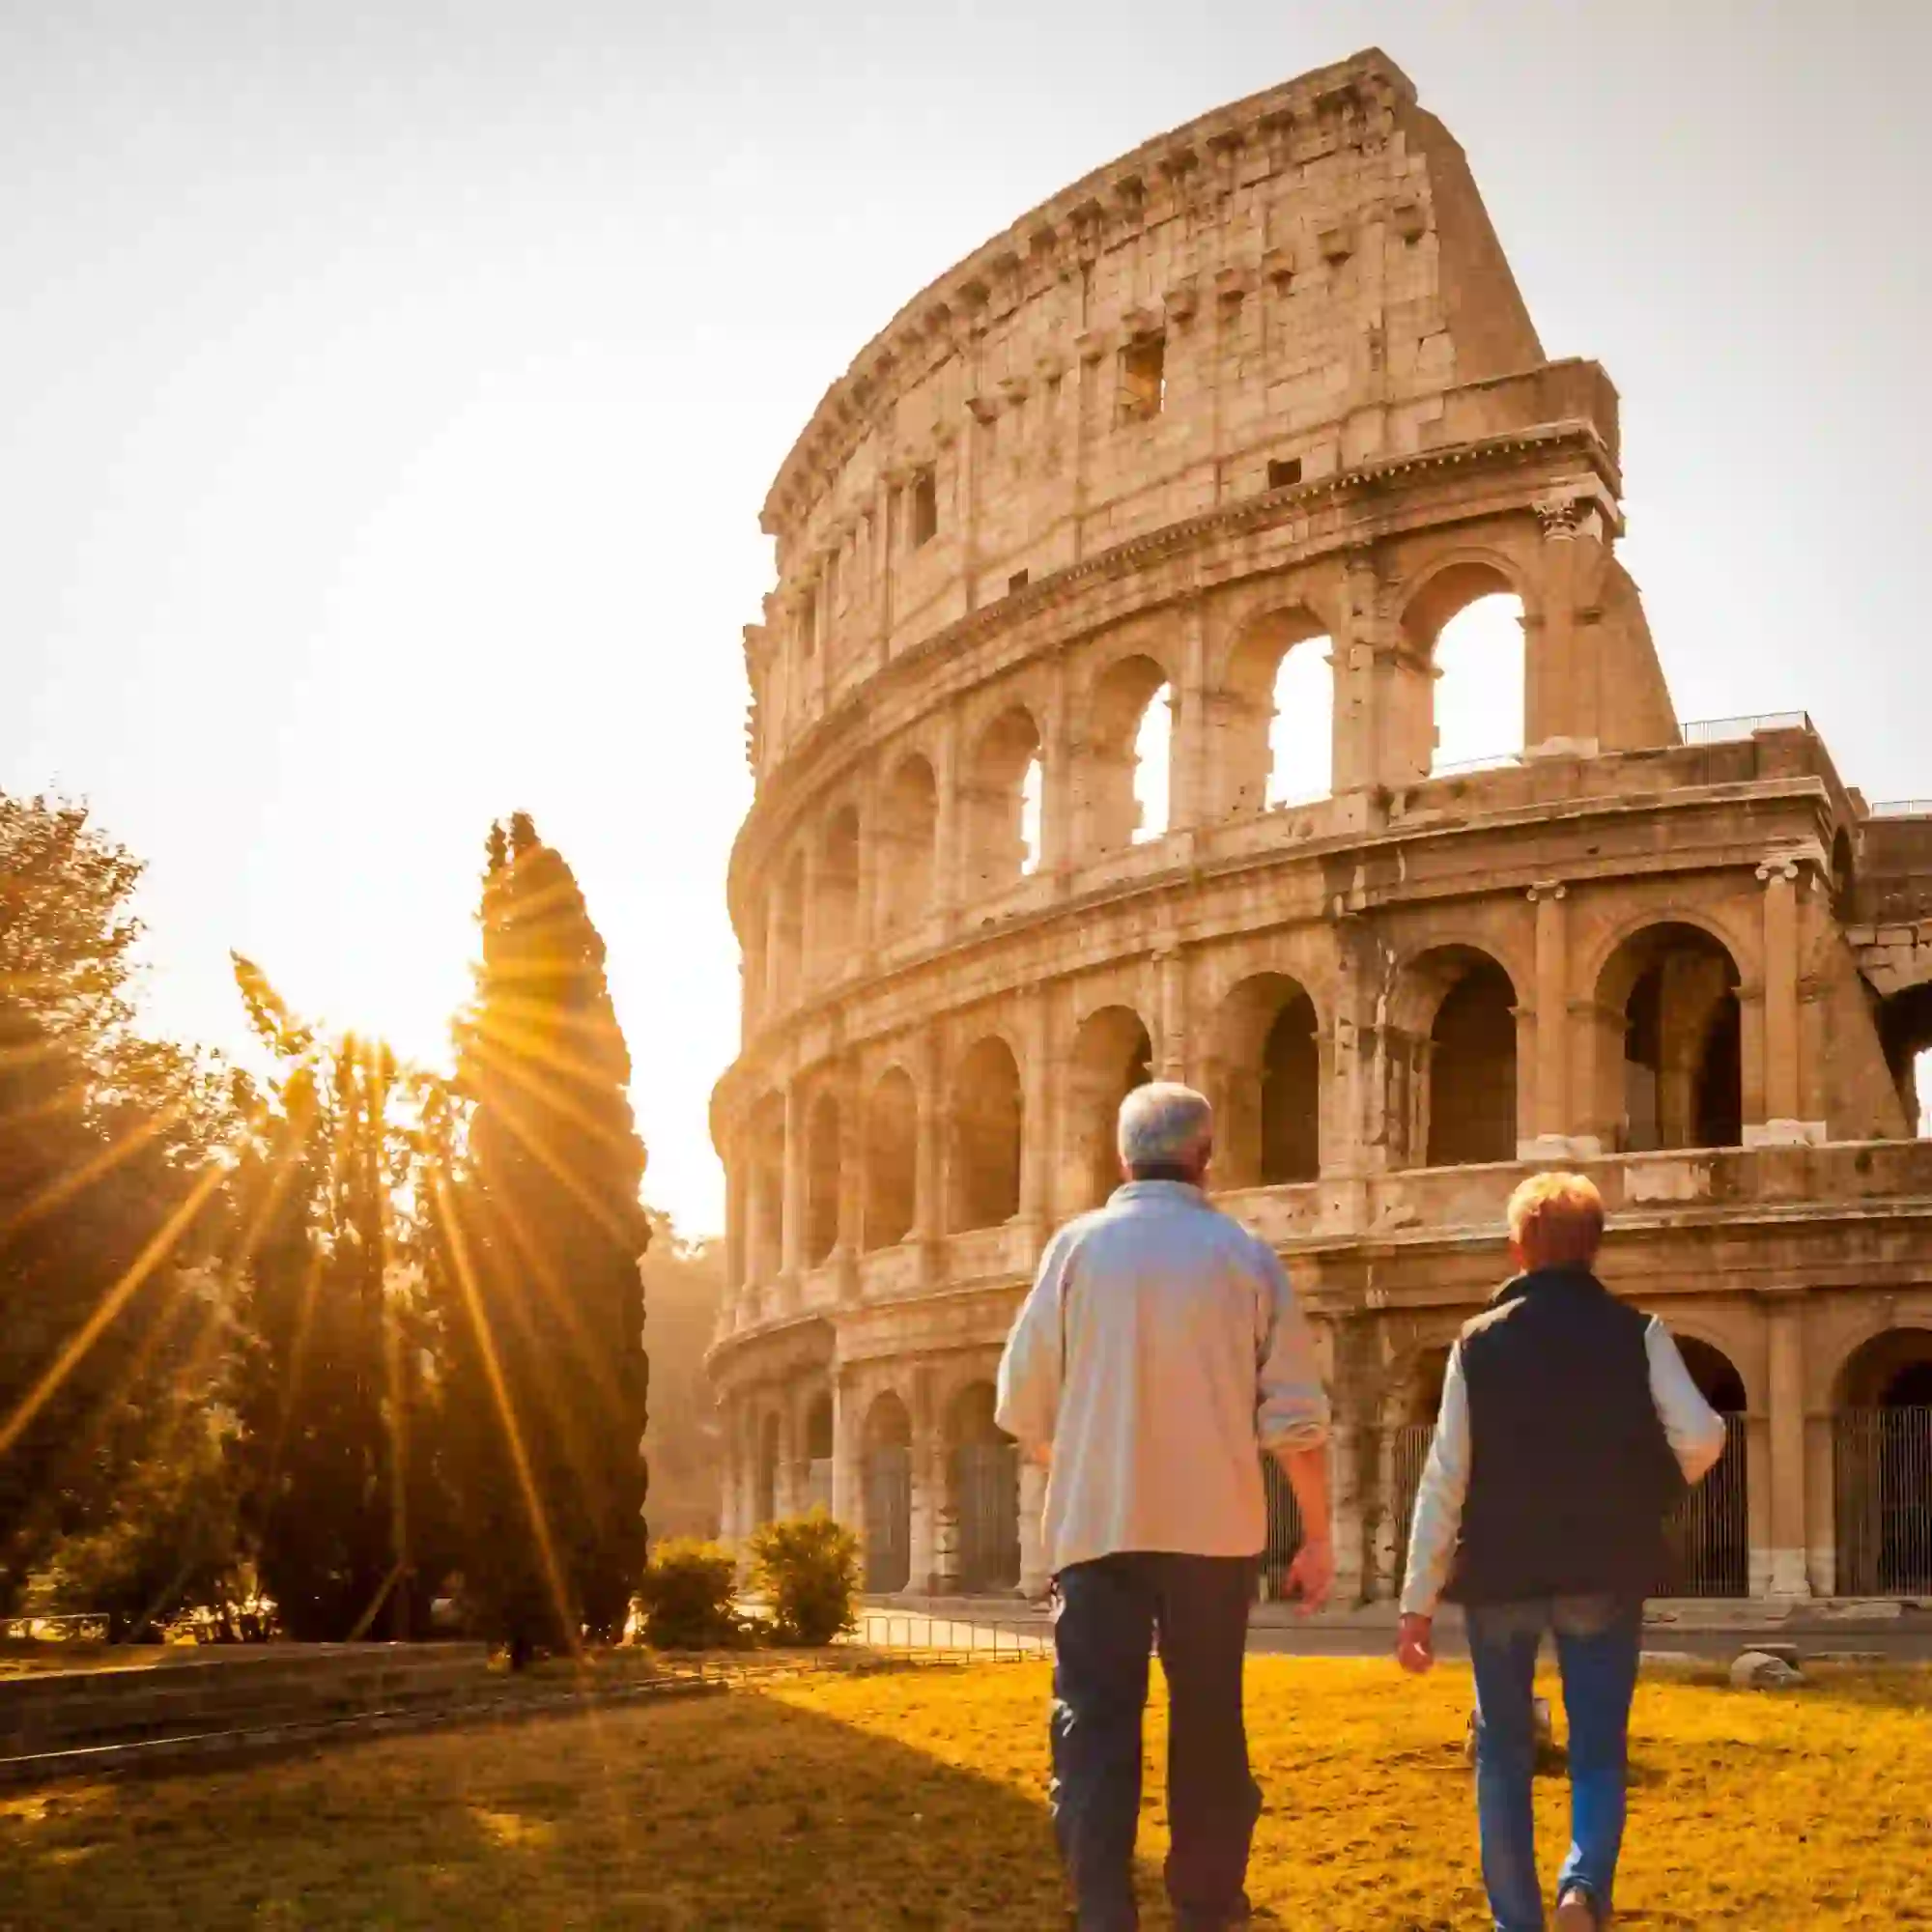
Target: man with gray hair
{"x": 1158, "y": 1357}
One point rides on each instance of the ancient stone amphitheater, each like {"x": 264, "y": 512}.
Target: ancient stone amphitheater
{"x": 1235, "y": 427}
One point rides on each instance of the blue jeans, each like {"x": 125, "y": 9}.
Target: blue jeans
{"x": 1111, "y": 1613}
{"x": 1597, "y": 1643}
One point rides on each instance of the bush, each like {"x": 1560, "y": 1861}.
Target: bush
{"x": 688, "y": 1597}
{"x": 808, "y": 1571}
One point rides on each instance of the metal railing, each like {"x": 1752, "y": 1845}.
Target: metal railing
{"x": 1901, "y": 808}
{"x": 1708, "y": 1533}
{"x": 1284, "y": 1531}
{"x": 1407, "y": 1454}
{"x": 1720, "y": 730}
{"x": 1489, "y": 762}
{"x": 988, "y": 1639}
{"x": 1883, "y": 1466}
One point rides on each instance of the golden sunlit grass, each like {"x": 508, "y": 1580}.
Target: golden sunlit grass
{"x": 915, "y": 1799}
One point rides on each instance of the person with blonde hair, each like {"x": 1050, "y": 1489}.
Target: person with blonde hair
{"x": 1569, "y": 1426}
{"x": 1158, "y": 1359}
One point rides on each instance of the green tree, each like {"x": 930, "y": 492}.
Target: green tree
{"x": 540, "y": 1233}
{"x": 338, "y": 1504}
{"x": 684, "y": 1283}
{"x": 110, "y": 1180}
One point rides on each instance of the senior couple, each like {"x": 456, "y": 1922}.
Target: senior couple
{"x": 1161, "y": 1354}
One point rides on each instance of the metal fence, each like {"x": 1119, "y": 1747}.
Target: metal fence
{"x": 985, "y": 1491}
{"x": 981, "y": 1639}
{"x": 1707, "y": 1534}
{"x": 1284, "y": 1531}
{"x": 888, "y": 1518}
{"x": 1882, "y": 1468}
{"x": 1407, "y": 1453}
{"x": 1902, "y": 807}
{"x": 1719, "y": 731}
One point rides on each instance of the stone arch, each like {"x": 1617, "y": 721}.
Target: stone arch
{"x": 908, "y": 834}
{"x": 987, "y": 1122}
{"x": 1464, "y": 618}
{"x": 1668, "y": 1042}
{"x": 766, "y": 1146}
{"x": 1905, "y": 1032}
{"x": 824, "y": 1150}
{"x": 1109, "y": 778}
{"x": 1268, "y": 1098}
{"x": 1706, "y": 1535}
{"x": 1453, "y": 1057}
{"x": 886, "y": 1462}
{"x": 983, "y": 1494}
{"x": 1881, "y": 1444}
{"x": 767, "y": 1459}
{"x": 892, "y": 1159}
{"x": 1112, "y": 1053}
{"x": 1278, "y": 667}
{"x": 835, "y": 907}
{"x": 1002, "y": 782}
{"x": 816, "y": 1433}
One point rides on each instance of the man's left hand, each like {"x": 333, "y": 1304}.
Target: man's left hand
{"x": 1311, "y": 1576}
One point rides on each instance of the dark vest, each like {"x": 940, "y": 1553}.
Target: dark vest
{"x": 1570, "y": 1471}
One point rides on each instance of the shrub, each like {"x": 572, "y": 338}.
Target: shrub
{"x": 689, "y": 1595}
{"x": 808, "y": 1571}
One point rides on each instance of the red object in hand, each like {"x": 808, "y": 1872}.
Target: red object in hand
{"x": 1415, "y": 1645}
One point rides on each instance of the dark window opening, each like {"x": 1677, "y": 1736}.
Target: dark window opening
{"x": 1284, "y": 472}
{"x": 808, "y": 622}
{"x": 1144, "y": 379}
{"x": 1016, "y": 582}
{"x": 924, "y": 509}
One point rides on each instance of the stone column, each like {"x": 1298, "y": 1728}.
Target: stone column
{"x": 791, "y": 1241}
{"x": 1172, "y": 1046}
{"x": 1189, "y": 782}
{"x": 736, "y": 1270}
{"x": 948, "y": 840}
{"x": 928, "y": 1217}
{"x": 1034, "y": 1577}
{"x": 1550, "y": 1076}
{"x": 1058, "y": 802}
{"x": 1787, "y": 1571}
{"x": 1039, "y": 1085}
{"x": 849, "y": 1476}
{"x": 928, "y": 1488}
{"x": 1781, "y": 1079}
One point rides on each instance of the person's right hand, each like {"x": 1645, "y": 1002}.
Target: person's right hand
{"x": 1311, "y": 1576}
{"x": 1415, "y": 1645}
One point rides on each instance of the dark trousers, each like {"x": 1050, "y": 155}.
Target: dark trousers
{"x": 1112, "y": 1612}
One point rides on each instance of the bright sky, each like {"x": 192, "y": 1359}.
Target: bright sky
{"x": 388, "y": 391}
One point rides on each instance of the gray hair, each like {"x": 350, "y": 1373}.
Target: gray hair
{"x": 1165, "y": 1125}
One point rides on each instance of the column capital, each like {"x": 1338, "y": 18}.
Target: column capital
{"x": 1547, "y": 888}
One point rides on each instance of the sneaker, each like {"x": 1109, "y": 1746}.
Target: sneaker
{"x": 1576, "y": 1912}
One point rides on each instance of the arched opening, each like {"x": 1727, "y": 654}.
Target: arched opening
{"x": 1124, "y": 771}
{"x": 822, "y": 1177}
{"x": 1268, "y": 1106}
{"x": 1905, "y": 1029}
{"x": 983, "y": 1494}
{"x": 986, "y": 1136}
{"x": 1469, "y": 1098}
{"x": 1883, "y": 1466}
{"x": 1005, "y": 766}
{"x": 1284, "y": 1532}
{"x": 888, "y": 1470}
{"x": 1466, "y": 625}
{"x": 785, "y": 948}
{"x": 837, "y": 908}
{"x": 908, "y": 826}
{"x": 1707, "y": 1534}
{"x": 1675, "y": 1080}
{"x": 1112, "y": 1055}
{"x": 892, "y": 1159}
{"x": 1276, "y": 744}
{"x": 766, "y": 1206}
{"x": 765, "y": 1475}
{"x": 818, "y": 1454}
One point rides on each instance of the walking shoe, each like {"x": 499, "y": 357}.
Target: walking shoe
{"x": 1576, "y": 1912}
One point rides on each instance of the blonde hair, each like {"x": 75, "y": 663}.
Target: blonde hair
{"x": 1557, "y": 1220}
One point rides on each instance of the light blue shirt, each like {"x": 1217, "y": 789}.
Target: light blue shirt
{"x": 1695, "y": 1432}
{"x": 1158, "y": 1353}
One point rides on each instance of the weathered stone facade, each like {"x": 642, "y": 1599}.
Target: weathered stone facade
{"x": 1266, "y": 385}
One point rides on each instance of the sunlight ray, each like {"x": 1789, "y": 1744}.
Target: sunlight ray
{"x": 58, "y": 1192}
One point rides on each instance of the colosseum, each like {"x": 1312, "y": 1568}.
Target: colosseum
{"x": 1095, "y": 733}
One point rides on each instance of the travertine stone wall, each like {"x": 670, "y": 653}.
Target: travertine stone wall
{"x": 1266, "y": 385}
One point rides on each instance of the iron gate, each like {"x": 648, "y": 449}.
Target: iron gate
{"x": 1284, "y": 1531}
{"x": 987, "y": 1501}
{"x": 1883, "y": 1471}
{"x": 1408, "y": 1453}
{"x": 1707, "y": 1536}
{"x": 888, "y": 1519}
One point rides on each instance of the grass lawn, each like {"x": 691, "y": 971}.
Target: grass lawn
{"x": 915, "y": 1799}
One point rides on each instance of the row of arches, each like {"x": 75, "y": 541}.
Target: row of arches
{"x": 1668, "y": 1064}
{"x": 1271, "y": 732}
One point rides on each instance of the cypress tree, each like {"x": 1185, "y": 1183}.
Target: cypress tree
{"x": 542, "y": 1233}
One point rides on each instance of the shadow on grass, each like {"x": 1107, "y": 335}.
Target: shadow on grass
{"x": 731, "y": 1812}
